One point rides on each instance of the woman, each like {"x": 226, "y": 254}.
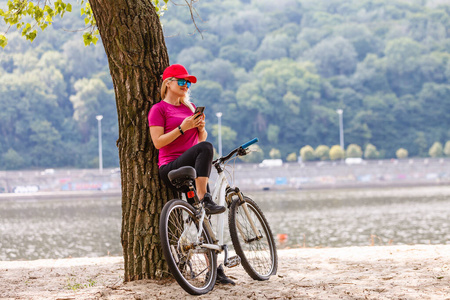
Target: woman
{"x": 180, "y": 135}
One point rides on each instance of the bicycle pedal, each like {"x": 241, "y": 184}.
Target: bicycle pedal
{"x": 233, "y": 261}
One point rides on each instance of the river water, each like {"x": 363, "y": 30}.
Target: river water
{"x": 304, "y": 218}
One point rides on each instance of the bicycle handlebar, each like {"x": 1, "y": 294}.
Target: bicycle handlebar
{"x": 239, "y": 150}
{"x": 249, "y": 143}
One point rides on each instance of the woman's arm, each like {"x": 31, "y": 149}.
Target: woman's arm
{"x": 161, "y": 139}
{"x": 202, "y": 133}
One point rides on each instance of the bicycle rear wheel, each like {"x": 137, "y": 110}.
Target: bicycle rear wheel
{"x": 194, "y": 268}
{"x": 258, "y": 251}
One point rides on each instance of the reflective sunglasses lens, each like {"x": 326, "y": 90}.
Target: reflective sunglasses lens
{"x": 182, "y": 82}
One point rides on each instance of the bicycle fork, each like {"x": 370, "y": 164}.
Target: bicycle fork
{"x": 243, "y": 204}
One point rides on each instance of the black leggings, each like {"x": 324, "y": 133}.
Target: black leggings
{"x": 199, "y": 157}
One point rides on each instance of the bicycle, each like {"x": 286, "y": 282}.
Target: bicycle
{"x": 189, "y": 243}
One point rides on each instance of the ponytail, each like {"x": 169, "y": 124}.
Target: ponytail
{"x": 164, "y": 87}
{"x": 185, "y": 100}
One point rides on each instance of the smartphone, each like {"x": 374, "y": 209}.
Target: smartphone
{"x": 199, "y": 110}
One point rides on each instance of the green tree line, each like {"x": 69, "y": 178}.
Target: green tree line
{"x": 278, "y": 71}
{"x": 323, "y": 152}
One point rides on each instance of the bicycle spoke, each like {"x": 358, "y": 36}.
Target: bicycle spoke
{"x": 257, "y": 251}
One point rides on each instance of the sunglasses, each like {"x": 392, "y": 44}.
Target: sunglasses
{"x": 182, "y": 82}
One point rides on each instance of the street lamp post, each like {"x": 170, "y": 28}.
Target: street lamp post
{"x": 219, "y": 116}
{"x": 341, "y": 128}
{"x": 100, "y": 150}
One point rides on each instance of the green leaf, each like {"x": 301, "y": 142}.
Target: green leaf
{"x": 3, "y": 41}
{"x": 87, "y": 37}
{"x": 69, "y": 7}
{"x": 13, "y": 20}
{"x": 48, "y": 10}
{"x": 10, "y": 5}
{"x": 32, "y": 35}
{"x": 26, "y": 29}
{"x": 38, "y": 13}
{"x": 30, "y": 9}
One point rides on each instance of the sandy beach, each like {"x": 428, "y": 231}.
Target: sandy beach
{"x": 380, "y": 272}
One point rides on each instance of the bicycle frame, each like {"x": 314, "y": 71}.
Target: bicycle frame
{"x": 218, "y": 195}
{"x": 221, "y": 189}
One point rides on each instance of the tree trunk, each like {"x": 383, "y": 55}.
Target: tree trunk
{"x": 134, "y": 43}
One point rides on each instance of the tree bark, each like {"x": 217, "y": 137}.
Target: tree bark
{"x": 134, "y": 43}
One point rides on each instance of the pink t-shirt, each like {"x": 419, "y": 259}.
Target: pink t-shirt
{"x": 170, "y": 117}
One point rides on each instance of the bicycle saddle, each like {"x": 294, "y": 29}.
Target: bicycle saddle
{"x": 179, "y": 176}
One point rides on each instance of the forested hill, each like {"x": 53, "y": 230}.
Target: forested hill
{"x": 277, "y": 70}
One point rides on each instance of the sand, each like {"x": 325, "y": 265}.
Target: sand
{"x": 380, "y": 272}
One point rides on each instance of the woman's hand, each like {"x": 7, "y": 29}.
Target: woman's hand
{"x": 192, "y": 122}
{"x": 201, "y": 124}
{"x": 202, "y": 134}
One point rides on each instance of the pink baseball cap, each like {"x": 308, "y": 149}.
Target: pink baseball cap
{"x": 178, "y": 71}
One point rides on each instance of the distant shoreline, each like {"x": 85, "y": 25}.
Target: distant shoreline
{"x": 47, "y": 195}
{"x": 59, "y": 195}
{"x": 248, "y": 177}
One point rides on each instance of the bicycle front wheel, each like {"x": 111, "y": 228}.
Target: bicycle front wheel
{"x": 252, "y": 239}
{"x": 194, "y": 267}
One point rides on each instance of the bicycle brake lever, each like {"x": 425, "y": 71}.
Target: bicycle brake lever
{"x": 241, "y": 151}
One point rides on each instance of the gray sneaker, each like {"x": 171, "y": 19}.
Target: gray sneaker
{"x": 222, "y": 278}
{"x": 212, "y": 208}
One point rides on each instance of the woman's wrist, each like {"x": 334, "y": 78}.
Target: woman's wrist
{"x": 180, "y": 129}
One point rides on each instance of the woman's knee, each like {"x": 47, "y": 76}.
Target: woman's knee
{"x": 207, "y": 147}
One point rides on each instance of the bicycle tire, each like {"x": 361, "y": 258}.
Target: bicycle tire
{"x": 194, "y": 268}
{"x": 258, "y": 255}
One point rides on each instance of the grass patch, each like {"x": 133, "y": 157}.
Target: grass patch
{"x": 73, "y": 285}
